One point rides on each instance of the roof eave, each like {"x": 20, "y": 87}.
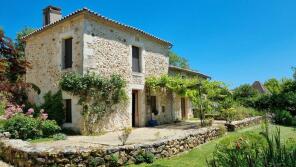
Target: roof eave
{"x": 87, "y": 11}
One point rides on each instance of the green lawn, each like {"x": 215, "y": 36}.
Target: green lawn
{"x": 197, "y": 157}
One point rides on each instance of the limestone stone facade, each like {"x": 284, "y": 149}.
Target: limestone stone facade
{"x": 103, "y": 46}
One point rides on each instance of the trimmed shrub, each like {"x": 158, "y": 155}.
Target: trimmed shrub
{"x": 49, "y": 128}
{"x": 23, "y": 127}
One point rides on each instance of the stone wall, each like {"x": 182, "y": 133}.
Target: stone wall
{"x": 108, "y": 50}
{"x": 244, "y": 123}
{"x": 24, "y": 154}
{"x": 44, "y": 52}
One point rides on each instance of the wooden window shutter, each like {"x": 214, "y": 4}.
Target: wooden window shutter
{"x": 68, "y": 53}
{"x": 136, "y": 59}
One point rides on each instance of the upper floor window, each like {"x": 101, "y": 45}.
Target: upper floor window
{"x": 136, "y": 66}
{"x": 67, "y": 53}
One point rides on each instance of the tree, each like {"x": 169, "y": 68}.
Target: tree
{"x": 19, "y": 43}
{"x": 273, "y": 86}
{"x": 12, "y": 68}
{"x": 177, "y": 60}
{"x": 245, "y": 95}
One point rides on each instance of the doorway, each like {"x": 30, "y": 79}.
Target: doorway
{"x": 183, "y": 108}
{"x": 134, "y": 108}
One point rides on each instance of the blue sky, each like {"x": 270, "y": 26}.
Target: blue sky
{"x": 235, "y": 41}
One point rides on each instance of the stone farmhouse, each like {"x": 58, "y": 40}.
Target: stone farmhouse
{"x": 85, "y": 41}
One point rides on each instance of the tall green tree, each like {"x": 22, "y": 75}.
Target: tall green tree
{"x": 246, "y": 95}
{"x": 177, "y": 60}
{"x": 19, "y": 43}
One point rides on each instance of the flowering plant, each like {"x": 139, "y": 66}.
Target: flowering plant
{"x": 14, "y": 109}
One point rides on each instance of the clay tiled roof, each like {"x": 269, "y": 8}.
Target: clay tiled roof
{"x": 86, "y": 10}
{"x": 189, "y": 71}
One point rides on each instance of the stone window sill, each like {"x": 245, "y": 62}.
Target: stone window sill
{"x": 138, "y": 74}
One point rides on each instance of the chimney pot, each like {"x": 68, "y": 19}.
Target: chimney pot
{"x": 51, "y": 14}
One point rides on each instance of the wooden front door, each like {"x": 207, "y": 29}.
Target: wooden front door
{"x": 183, "y": 108}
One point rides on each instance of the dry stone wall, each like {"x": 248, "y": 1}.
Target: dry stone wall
{"x": 24, "y": 154}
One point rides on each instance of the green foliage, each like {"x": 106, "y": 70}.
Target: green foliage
{"x": 49, "y": 128}
{"x": 273, "y": 86}
{"x": 99, "y": 96}
{"x": 2, "y": 104}
{"x": 284, "y": 100}
{"x": 54, "y": 107}
{"x": 284, "y": 118}
{"x": 246, "y": 95}
{"x": 254, "y": 150}
{"x": 177, "y": 60}
{"x": 113, "y": 161}
{"x": 23, "y": 127}
{"x": 205, "y": 95}
{"x": 221, "y": 130}
{"x": 20, "y": 44}
{"x": 95, "y": 161}
{"x": 146, "y": 156}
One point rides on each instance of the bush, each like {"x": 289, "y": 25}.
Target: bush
{"x": 54, "y": 107}
{"x": 49, "y": 128}
{"x": 139, "y": 159}
{"x": 23, "y": 127}
{"x": 114, "y": 161}
{"x": 239, "y": 112}
{"x": 284, "y": 118}
{"x": 147, "y": 157}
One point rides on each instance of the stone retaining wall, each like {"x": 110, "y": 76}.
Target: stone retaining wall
{"x": 244, "y": 123}
{"x": 24, "y": 154}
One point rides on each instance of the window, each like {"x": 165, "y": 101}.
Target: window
{"x": 68, "y": 111}
{"x": 136, "y": 59}
{"x": 67, "y": 57}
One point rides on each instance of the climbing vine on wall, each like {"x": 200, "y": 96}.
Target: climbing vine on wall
{"x": 204, "y": 94}
{"x": 98, "y": 96}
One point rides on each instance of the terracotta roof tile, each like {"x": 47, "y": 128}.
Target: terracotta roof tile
{"x": 100, "y": 16}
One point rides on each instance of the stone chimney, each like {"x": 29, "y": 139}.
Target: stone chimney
{"x": 51, "y": 14}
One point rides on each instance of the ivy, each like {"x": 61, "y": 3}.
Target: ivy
{"x": 98, "y": 96}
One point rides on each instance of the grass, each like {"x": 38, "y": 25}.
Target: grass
{"x": 198, "y": 156}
